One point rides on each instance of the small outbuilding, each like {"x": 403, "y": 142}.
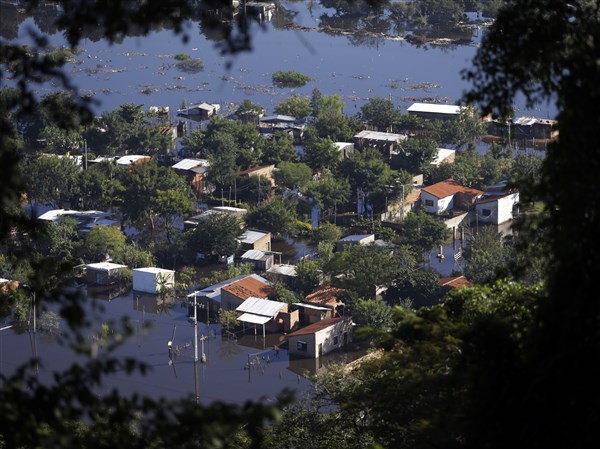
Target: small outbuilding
{"x": 320, "y": 338}
{"x": 255, "y": 239}
{"x": 153, "y": 280}
{"x": 497, "y": 209}
{"x": 104, "y": 273}
{"x": 355, "y": 239}
{"x": 260, "y": 259}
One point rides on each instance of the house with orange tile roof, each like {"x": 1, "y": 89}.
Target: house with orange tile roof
{"x": 455, "y": 282}
{"x": 320, "y": 338}
{"x": 264, "y": 171}
{"x": 234, "y": 294}
{"x": 326, "y": 296}
{"x": 447, "y": 195}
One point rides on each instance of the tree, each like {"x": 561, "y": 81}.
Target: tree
{"x": 296, "y": 106}
{"x": 329, "y": 193}
{"x": 320, "y": 153}
{"x": 309, "y": 276}
{"x": 553, "y": 60}
{"x": 363, "y": 269}
{"x": 279, "y": 148}
{"x": 379, "y": 113}
{"x": 218, "y": 234}
{"x": 275, "y": 216}
{"x": 465, "y": 130}
{"x": 249, "y": 112}
{"x": 52, "y": 180}
{"x": 374, "y": 314}
{"x": 293, "y": 175}
{"x": 170, "y": 204}
{"x": 366, "y": 171}
{"x": 103, "y": 241}
{"x": 423, "y": 231}
{"x": 417, "y": 155}
{"x": 414, "y": 284}
{"x": 486, "y": 257}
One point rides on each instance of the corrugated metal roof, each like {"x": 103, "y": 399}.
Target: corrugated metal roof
{"x": 435, "y": 108}
{"x": 105, "y": 266}
{"x": 376, "y": 135}
{"x": 442, "y": 154}
{"x": 255, "y": 254}
{"x": 358, "y": 238}
{"x": 260, "y": 306}
{"x": 131, "y": 159}
{"x": 255, "y": 319}
{"x": 251, "y": 236}
{"x": 153, "y": 270}
{"x": 188, "y": 164}
{"x": 284, "y": 269}
{"x": 312, "y": 306}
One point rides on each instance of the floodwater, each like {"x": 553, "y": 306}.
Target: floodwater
{"x": 142, "y": 70}
{"x": 248, "y": 367}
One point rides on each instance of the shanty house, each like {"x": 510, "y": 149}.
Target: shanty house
{"x": 355, "y": 239}
{"x": 104, "y": 273}
{"x": 283, "y": 272}
{"x": 446, "y": 195}
{"x": 264, "y": 171}
{"x": 320, "y": 338}
{"x": 264, "y": 312}
{"x": 387, "y": 143}
{"x": 255, "y": 239}
{"x": 431, "y": 111}
{"x": 202, "y": 111}
{"x": 260, "y": 259}
{"x": 236, "y": 293}
{"x": 153, "y": 280}
{"x": 211, "y": 296}
{"x": 195, "y": 171}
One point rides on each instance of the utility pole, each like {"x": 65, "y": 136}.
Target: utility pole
{"x": 222, "y": 197}
{"x": 34, "y": 326}
{"x": 196, "y": 331}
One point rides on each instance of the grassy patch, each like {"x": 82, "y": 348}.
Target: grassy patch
{"x": 190, "y": 65}
{"x": 182, "y": 57}
{"x": 290, "y": 79}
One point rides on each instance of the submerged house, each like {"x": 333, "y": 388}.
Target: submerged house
{"x": 104, "y": 273}
{"x": 387, "y": 143}
{"x": 321, "y": 337}
{"x": 195, "y": 171}
{"x": 497, "y": 208}
{"x": 432, "y": 111}
{"x": 202, "y": 111}
{"x": 234, "y": 294}
{"x": 153, "y": 280}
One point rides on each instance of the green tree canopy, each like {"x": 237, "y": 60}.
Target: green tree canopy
{"x": 296, "y": 106}
{"x": 380, "y": 113}
{"x": 275, "y": 217}
{"x": 423, "y": 231}
{"x": 293, "y": 175}
{"x": 217, "y": 234}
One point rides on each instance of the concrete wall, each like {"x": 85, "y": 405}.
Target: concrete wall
{"x": 439, "y": 204}
{"x": 331, "y": 338}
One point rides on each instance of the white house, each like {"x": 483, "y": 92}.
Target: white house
{"x": 355, "y": 239}
{"x": 434, "y": 111}
{"x": 321, "y": 337}
{"x": 444, "y": 155}
{"x": 446, "y": 195}
{"x": 152, "y": 279}
{"x": 497, "y": 209}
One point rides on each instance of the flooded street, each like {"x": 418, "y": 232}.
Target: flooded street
{"x": 225, "y": 376}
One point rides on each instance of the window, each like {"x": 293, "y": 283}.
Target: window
{"x": 301, "y": 346}
{"x": 429, "y": 203}
{"x": 486, "y": 212}
{"x": 336, "y": 340}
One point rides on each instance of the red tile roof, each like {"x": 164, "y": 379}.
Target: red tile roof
{"x": 247, "y": 287}
{"x": 253, "y": 169}
{"x": 455, "y": 282}
{"x": 324, "y": 296}
{"x": 316, "y": 327}
{"x": 450, "y": 187}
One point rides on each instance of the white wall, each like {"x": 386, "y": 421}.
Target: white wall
{"x": 153, "y": 281}
{"x": 439, "y": 204}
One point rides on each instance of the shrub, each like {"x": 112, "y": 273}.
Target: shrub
{"x": 290, "y": 79}
{"x": 182, "y": 57}
{"x": 190, "y": 65}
